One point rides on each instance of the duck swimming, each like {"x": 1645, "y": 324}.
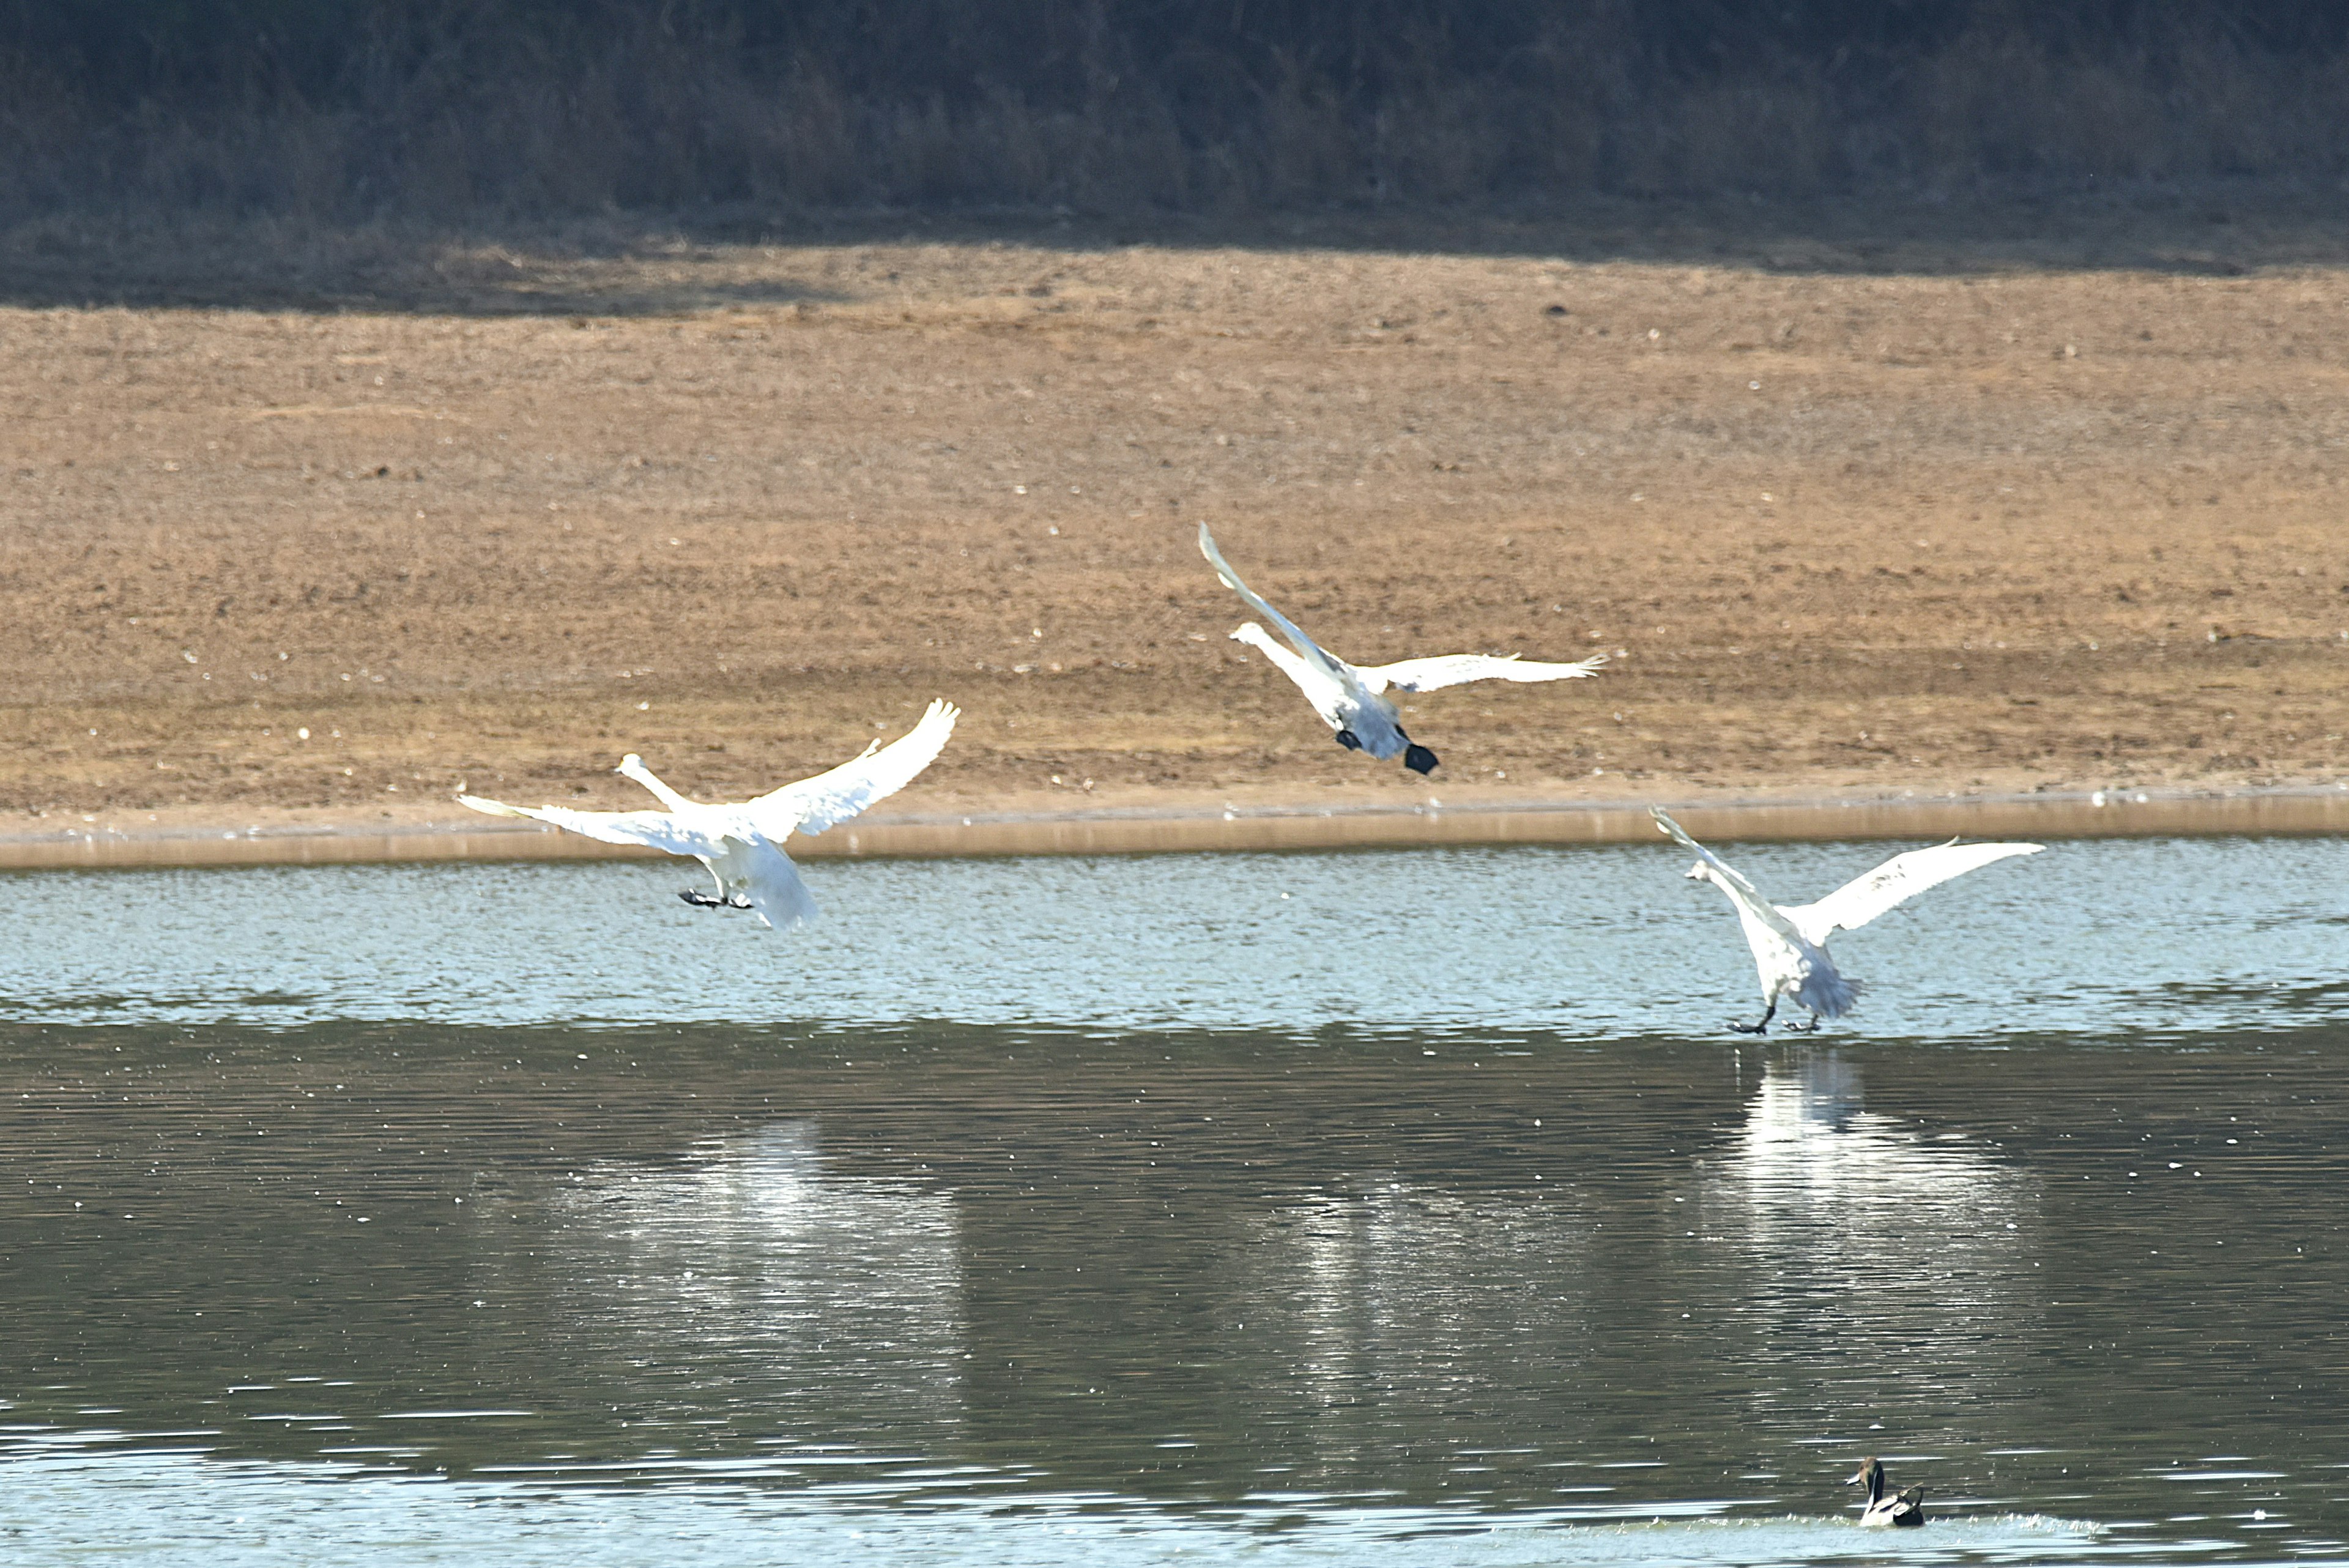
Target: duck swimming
{"x": 1899, "y": 1510}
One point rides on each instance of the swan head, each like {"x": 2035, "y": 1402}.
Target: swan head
{"x": 1871, "y": 1475}
{"x": 629, "y": 764}
{"x": 1700, "y": 872}
{"x": 1252, "y": 634}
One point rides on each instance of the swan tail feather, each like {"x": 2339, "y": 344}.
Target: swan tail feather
{"x": 1826, "y": 992}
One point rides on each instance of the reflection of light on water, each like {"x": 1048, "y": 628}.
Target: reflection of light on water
{"x": 1870, "y": 1237}
{"x": 1408, "y": 1301}
{"x": 752, "y": 1258}
{"x": 178, "y": 1509}
{"x": 1815, "y": 1170}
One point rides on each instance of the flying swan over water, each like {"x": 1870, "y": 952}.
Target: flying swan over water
{"x": 1352, "y": 700}
{"x": 1789, "y": 943}
{"x": 741, "y": 841}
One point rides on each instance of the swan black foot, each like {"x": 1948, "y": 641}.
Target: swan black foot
{"x": 1812, "y": 1027}
{"x": 1762, "y": 1025}
{"x": 1418, "y": 758}
{"x": 1348, "y": 738}
{"x": 701, "y": 900}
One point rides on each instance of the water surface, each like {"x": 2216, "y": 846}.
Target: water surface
{"x": 2106, "y": 937}
{"x": 360, "y": 1215}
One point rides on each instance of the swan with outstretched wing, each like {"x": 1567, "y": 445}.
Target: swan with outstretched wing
{"x": 741, "y": 842}
{"x": 1352, "y": 700}
{"x": 1789, "y": 942}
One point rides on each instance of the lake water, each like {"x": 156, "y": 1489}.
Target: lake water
{"x": 1386, "y": 1207}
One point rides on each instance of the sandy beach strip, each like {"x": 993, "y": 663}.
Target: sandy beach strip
{"x": 2113, "y": 814}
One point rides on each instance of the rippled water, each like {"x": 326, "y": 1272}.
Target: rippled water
{"x": 1123, "y": 1212}
{"x": 2117, "y": 937}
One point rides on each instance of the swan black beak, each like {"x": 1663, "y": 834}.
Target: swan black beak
{"x": 1419, "y": 760}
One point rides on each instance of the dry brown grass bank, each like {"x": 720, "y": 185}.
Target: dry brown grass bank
{"x": 2005, "y": 528}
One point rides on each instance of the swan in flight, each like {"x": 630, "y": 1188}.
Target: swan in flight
{"x": 1789, "y": 942}
{"x": 1352, "y": 700}
{"x": 741, "y": 841}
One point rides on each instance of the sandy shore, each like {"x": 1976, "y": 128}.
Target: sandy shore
{"x": 1231, "y": 828}
{"x": 1850, "y": 524}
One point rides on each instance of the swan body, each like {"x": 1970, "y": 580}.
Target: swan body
{"x": 1352, "y": 700}
{"x": 1789, "y": 942}
{"x": 741, "y": 842}
{"x": 1902, "y": 1510}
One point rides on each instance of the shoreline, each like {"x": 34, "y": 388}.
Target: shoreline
{"x": 2307, "y": 809}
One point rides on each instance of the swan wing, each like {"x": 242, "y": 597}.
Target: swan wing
{"x": 1902, "y": 878}
{"x": 1456, "y": 668}
{"x": 656, "y": 829}
{"x": 1743, "y": 893}
{"x": 812, "y": 804}
{"x": 1306, "y": 648}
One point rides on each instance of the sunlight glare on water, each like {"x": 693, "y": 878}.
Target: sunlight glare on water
{"x": 244, "y": 1516}
{"x": 1126, "y": 1212}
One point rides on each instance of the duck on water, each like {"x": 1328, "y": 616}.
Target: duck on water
{"x": 1899, "y": 1510}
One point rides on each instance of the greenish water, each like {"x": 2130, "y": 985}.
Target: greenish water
{"x": 895, "y": 1264}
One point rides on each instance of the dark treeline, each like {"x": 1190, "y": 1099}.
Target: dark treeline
{"x": 448, "y": 108}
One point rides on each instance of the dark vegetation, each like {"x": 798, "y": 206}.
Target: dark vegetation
{"x": 452, "y": 111}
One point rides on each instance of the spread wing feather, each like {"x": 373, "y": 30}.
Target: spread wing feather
{"x": 1456, "y": 668}
{"x": 656, "y": 829}
{"x": 1312, "y": 650}
{"x": 1732, "y": 881}
{"x": 1902, "y": 878}
{"x": 812, "y": 804}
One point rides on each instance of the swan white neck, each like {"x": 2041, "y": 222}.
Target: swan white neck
{"x": 633, "y": 766}
{"x": 1256, "y": 635}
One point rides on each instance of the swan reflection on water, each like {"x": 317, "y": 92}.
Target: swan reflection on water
{"x": 750, "y": 1260}
{"x": 1873, "y": 1239}
{"x": 1406, "y": 1309}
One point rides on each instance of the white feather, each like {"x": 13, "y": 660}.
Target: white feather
{"x": 1353, "y": 700}
{"x": 1789, "y": 944}
{"x": 741, "y": 842}
{"x": 1459, "y": 669}
{"x": 1902, "y": 878}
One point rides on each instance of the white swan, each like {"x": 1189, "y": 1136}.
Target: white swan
{"x": 1789, "y": 943}
{"x": 740, "y": 841}
{"x": 1352, "y": 700}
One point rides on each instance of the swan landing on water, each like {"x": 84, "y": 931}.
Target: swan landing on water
{"x": 740, "y": 841}
{"x": 1789, "y": 943}
{"x": 1351, "y": 701}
